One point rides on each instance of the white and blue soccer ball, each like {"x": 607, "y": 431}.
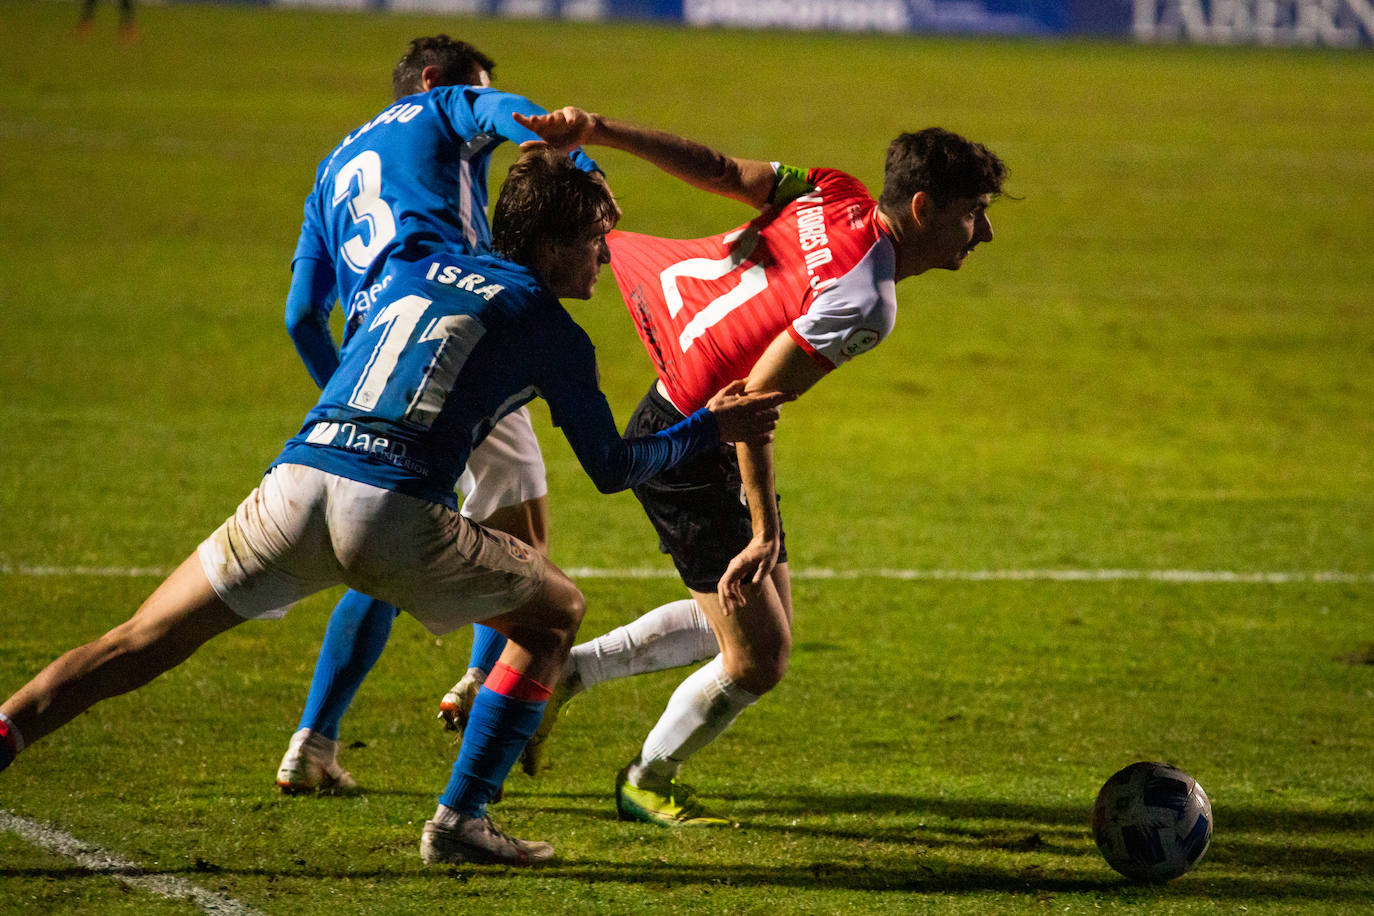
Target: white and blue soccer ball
{"x": 1152, "y": 821}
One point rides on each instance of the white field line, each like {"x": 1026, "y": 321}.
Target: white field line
{"x": 912, "y": 575}
{"x": 95, "y": 859}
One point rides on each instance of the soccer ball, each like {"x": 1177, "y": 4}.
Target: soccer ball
{"x": 1152, "y": 822}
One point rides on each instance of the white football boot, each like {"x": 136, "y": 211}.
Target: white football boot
{"x": 478, "y": 841}
{"x": 311, "y": 765}
{"x": 457, "y": 703}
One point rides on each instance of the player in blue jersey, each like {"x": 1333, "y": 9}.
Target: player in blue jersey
{"x": 363, "y": 494}
{"x": 411, "y": 181}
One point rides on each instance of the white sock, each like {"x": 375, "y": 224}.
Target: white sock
{"x": 703, "y": 706}
{"x": 444, "y": 816}
{"x": 669, "y": 636}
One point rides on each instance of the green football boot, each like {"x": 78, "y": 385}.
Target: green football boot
{"x": 669, "y": 804}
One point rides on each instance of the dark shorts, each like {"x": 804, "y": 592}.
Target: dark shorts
{"x": 698, "y": 507}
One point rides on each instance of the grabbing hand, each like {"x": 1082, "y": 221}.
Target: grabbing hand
{"x": 564, "y": 129}
{"x": 744, "y": 417}
{"x": 751, "y": 566}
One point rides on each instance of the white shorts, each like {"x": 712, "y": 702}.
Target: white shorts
{"x": 505, "y": 469}
{"x": 303, "y": 530}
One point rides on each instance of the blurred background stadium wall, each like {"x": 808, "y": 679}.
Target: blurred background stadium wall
{"x": 1333, "y": 23}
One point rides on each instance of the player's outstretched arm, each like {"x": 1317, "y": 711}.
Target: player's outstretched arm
{"x": 747, "y": 180}
{"x": 614, "y": 463}
{"x": 503, "y": 114}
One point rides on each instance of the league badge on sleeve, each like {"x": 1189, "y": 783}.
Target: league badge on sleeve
{"x": 860, "y": 340}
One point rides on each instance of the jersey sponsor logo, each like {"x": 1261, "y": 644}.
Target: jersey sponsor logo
{"x": 648, "y": 331}
{"x": 351, "y": 437}
{"x": 365, "y": 299}
{"x": 859, "y": 341}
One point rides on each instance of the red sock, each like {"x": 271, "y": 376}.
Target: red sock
{"x": 507, "y": 681}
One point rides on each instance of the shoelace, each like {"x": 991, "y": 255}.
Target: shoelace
{"x": 497, "y": 833}
{"x": 682, "y": 796}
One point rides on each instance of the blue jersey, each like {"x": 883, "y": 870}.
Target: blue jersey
{"x": 452, "y": 344}
{"x": 410, "y": 182}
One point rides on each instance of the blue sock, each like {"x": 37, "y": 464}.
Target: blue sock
{"x": 487, "y": 646}
{"x": 498, "y": 728}
{"x": 353, "y": 641}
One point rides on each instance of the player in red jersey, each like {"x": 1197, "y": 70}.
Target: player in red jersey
{"x": 781, "y": 301}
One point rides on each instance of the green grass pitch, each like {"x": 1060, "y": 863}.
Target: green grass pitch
{"x": 1165, "y": 361}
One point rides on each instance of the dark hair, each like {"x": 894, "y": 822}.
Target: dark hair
{"x": 459, "y": 61}
{"x": 941, "y": 163}
{"x": 547, "y": 198}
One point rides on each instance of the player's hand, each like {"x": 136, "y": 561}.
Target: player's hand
{"x": 744, "y": 417}
{"x": 746, "y": 572}
{"x": 564, "y": 129}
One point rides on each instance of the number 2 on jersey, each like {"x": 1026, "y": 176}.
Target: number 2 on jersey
{"x": 752, "y": 281}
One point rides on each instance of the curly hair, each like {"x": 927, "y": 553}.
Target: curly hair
{"x": 940, "y": 163}
{"x": 547, "y": 198}
{"x": 460, "y": 62}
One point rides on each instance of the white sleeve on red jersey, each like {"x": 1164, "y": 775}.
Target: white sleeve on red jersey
{"x": 855, "y": 312}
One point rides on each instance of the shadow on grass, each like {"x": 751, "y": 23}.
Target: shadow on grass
{"x": 922, "y": 874}
{"x": 1300, "y": 854}
{"x": 921, "y": 846}
{"x": 929, "y": 875}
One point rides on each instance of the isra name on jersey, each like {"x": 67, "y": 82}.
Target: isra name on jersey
{"x": 453, "y": 275}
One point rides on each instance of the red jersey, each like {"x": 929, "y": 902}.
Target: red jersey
{"x": 819, "y": 267}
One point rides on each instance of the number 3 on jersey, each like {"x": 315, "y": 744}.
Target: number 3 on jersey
{"x": 360, "y": 183}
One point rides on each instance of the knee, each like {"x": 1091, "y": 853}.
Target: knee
{"x": 562, "y": 614}
{"x": 571, "y": 611}
{"x": 759, "y": 670}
